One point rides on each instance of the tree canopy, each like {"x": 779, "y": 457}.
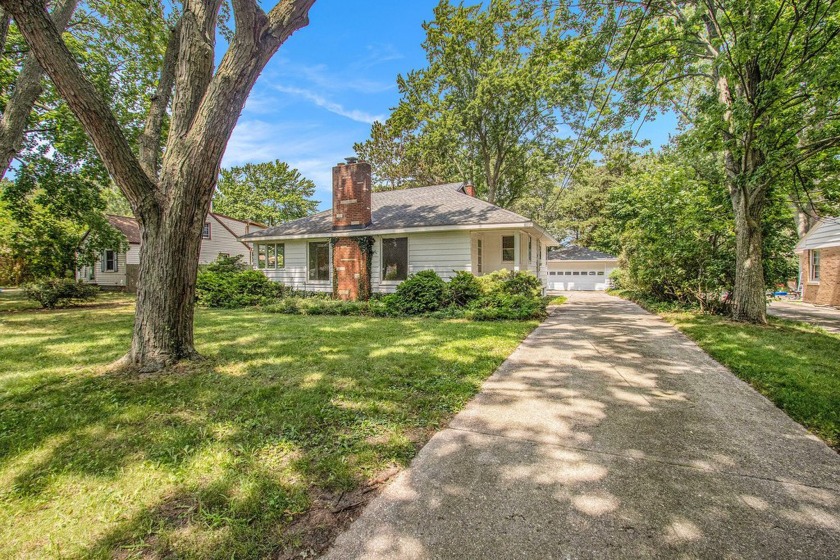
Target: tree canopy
{"x": 269, "y": 193}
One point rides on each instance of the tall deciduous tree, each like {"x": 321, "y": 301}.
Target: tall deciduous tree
{"x": 502, "y": 77}
{"x": 757, "y": 79}
{"x": 270, "y": 193}
{"x": 169, "y": 184}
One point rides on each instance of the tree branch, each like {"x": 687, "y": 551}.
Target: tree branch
{"x": 83, "y": 99}
{"x": 150, "y": 139}
{"x": 27, "y": 89}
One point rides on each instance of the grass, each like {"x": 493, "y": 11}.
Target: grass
{"x": 218, "y": 459}
{"x": 13, "y": 300}
{"x": 795, "y": 365}
{"x": 558, "y": 300}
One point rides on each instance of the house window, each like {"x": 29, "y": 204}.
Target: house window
{"x": 530, "y": 254}
{"x": 508, "y": 251}
{"x": 319, "y": 260}
{"x": 479, "y": 257}
{"x": 109, "y": 261}
{"x": 395, "y": 258}
{"x": 224, "y": 255}
{"x": 205, "y": 231}
{"x": 815, "y": 265}
{"x": 271, "y": 256}
{"x": 600, "y": 273}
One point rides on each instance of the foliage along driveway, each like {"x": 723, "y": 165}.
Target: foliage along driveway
{"x": 608, "y": 434}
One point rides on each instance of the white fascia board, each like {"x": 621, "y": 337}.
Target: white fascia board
{"x": 430, "y": 229}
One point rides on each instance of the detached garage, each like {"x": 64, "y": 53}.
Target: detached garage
{"x": 578, "y": 268}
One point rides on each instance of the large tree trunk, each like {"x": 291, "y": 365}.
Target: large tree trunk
{"x": 163, "y": 323}
{"x": 749, "y": 302}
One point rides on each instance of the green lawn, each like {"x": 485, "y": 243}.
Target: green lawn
{"x": 216, "y": 459}
{"x": 794, "y": 365}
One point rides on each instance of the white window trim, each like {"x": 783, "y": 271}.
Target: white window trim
{"x": 811, "y": 254}
{"x": 382, "y": 259}
{"x": 209, "y": 230}
{"x": 513, "y": 260}
{"x": 105, "y": 260}
{"x": 329, "y": 260}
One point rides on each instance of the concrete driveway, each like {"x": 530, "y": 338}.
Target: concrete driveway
{"x": 608, "y": 434}
{"x": 825, "y": 317}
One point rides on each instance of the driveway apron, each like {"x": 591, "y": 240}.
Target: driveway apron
{"x": 609, "y": 434}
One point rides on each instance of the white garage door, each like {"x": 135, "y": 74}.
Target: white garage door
{"x": 577, "y": 279}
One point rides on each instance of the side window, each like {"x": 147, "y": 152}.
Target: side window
{"x": 261, "y": 256}
{"x": 815, "y": 265}
{"x": 205, "y": 231}
{"x": 508, "y": 251}
{"x": 395, "y": 258}
{"x": 109, "y": 261}
{"x": 479, "y": 256}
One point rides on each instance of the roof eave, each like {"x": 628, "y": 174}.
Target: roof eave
{"x": 254, "y": 237}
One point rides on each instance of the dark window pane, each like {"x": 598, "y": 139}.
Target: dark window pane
{"x": 395, "y": 258}
{"x": 508, "y": 251}
{"x": 205, "y": 231}
{"x": 319, "y": 260}
{"x": 281, "y": 255}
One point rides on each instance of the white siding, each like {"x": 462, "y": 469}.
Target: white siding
{"x": 825, "y": 234}
{"x": 111, "y": 278}
{"x": 444, "y": 252}
{"x": 294, "y": 272}
{"x": 223, "y": 241}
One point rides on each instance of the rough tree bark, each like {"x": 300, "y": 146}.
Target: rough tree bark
{"x": 170, "y": 199}
{"x": 26, "y": 91}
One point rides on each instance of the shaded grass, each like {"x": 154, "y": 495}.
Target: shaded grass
{"x": 13, "y": 300}
{"x": 796, "y": 366}
{"x": 218, "y": 458}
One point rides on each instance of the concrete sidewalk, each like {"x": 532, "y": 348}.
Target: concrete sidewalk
{"x": 826, "y": 317}
{"x": 608, "y": 434}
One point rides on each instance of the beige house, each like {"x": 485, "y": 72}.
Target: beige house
{"x": 819, "y": 263}
{"x": 117, "y": 269}
{"x": 377, "y": 239}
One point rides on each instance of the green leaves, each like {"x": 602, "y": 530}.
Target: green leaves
{"x": 269, "y": 193}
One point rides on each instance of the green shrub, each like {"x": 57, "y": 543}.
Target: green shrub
{"x": 227, "y": 284}
{"x": 500, "y": 306}
{"x": 54, "y": 292}
{"x": 464, "y": 288}
{"x": 423, "y": 292}
{"x": 512, "y": 283}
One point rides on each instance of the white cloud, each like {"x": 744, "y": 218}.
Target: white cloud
{"x": 331, "y": 106}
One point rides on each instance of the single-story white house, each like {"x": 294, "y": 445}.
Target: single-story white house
{"x": 117, "y": 269}
{"x": 819, "y": 263}
{"x": 372, "y": 241}
{"x": 578, "y": 268}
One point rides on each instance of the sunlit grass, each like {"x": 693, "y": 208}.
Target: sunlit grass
{"x": 217, "y": 458}
{"x": 794, "y": 365}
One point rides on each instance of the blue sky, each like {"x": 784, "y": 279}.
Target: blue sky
{"x": 331, "y": 80}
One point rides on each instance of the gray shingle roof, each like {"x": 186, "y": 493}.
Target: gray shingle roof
{"x": 575, "y": 253}
{"x": 439, "y": 205}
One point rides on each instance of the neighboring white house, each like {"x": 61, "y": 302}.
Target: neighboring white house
{"x": 578, "y": 268}
{"x": 444, "y": 228}
{"x": 117, "y": 269}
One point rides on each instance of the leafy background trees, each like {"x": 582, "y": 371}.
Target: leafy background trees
{"x": 269, "y": 193}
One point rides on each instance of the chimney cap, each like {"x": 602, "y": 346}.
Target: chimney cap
{"x": 351, "y": 159}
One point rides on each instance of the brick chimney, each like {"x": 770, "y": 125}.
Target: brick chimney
{"x": 469, "y": 189}
{"x": 351, "y": 195}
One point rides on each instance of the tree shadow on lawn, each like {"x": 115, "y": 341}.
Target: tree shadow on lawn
{"x": 217, "y": 458}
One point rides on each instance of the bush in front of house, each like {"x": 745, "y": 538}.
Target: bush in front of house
{"x": 423, "y": 292}
{"x": 511, "y": 282}
{"x": 58, "y": 292}
{"x": 228, "y": 283}
{"x": 464, "y": 288}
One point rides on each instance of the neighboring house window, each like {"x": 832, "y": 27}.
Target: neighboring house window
{"x": 530, "y": 254}
{"x": 205, "y": 231}
{"x": 479, "y": 256}
{"x": 271, "y": 256}
{"x": 395, "y": 258}
{"x": 815, "y": 265}
{"x": 109, "y": 261}
{"x": 224, "y": 255}
{"x": 319, "y": 260}
{"x": 90, "y": 273}
{"x": 508, "y": 251}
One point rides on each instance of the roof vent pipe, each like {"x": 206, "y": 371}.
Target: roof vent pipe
{"x": 351, "y": 159}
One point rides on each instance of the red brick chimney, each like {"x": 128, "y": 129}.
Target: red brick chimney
{"x": 351, "y": 195}
{"x": 469, "y": 189}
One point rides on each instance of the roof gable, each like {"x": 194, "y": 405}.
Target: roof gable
{"x": 825, "y": 234}
{"x": 126, "y": 225}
